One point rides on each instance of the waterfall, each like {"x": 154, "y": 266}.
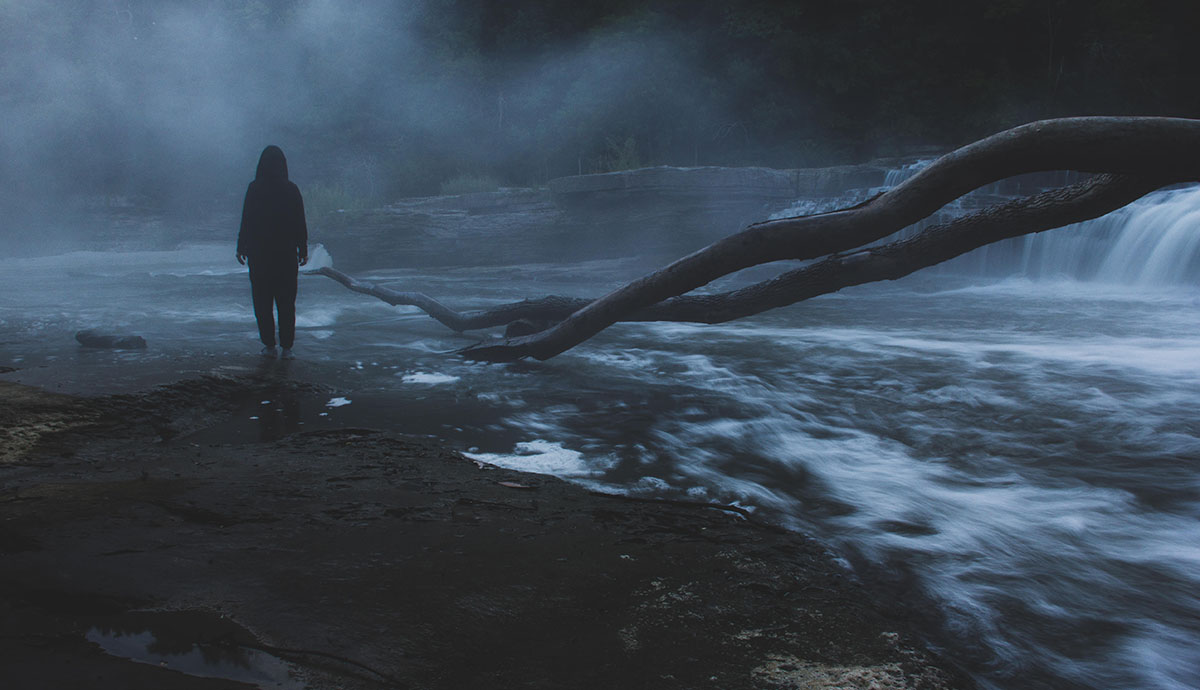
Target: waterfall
{"x": 897, "y": 175}
{"x": 1154, "y": 241}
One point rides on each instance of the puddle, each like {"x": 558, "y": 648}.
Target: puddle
{"x": 196, "y": 643}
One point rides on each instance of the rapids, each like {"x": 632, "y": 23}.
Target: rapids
{"x": 1015, "y": 435}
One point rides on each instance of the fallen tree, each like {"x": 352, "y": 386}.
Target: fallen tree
{"x": 1132, "y": 156}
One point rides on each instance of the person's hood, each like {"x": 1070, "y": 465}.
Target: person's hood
{"x": 272, "y": 165}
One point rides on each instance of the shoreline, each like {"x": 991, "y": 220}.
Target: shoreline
{"x": 360, "y": 558}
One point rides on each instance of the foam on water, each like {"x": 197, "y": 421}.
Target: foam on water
{"x": 919, "y": 451}
{"x": 546, "y": 457}
{"x": 1024, "y": 448}
{"x": 427, "y": 378}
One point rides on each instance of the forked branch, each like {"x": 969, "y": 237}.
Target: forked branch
{"x": 1134, "y": 155}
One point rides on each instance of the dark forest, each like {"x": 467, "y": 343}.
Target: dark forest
{"x": 399, "y": 99}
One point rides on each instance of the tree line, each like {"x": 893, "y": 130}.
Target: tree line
{"x": 387, "y": 99}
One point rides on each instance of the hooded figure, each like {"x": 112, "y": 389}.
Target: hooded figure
{"x": 274, "y": 239}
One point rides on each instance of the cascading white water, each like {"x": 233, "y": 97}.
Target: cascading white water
{"x": 897, "y": 175}
{"x": 1024, "y": 450}
{"x": 1154, "y": 241}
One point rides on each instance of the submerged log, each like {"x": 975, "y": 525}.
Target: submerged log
{"x": 1134, "y": 155}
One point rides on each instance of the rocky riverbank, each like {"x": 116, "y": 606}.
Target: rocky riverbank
{"x": 357, "y": 558}
{"x": 649, "y": 214}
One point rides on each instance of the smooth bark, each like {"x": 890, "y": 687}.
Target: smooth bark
{"x": 1137, "y": 156}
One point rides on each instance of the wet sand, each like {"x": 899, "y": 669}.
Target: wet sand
{"x": 358, "y": 558}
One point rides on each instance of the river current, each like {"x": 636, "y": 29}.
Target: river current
{"x": 1016, "y": 437}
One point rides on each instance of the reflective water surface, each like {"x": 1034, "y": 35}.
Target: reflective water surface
{"x": 1024, "y": 449}
{"x": 193, "y": 643}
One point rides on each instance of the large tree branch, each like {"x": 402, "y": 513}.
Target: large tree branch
{"x": 1166, "y": 149}
{"x": 1145, "y": 153}
{"x": 551, "y": 308}
{"x": 1083, "y": 201}
{"x": 1052, "y": 209}
{"x": 934, "y": 245}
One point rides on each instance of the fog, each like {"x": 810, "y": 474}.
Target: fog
{"x": 1017, "y": 432}
{"x": 170, "y": 103}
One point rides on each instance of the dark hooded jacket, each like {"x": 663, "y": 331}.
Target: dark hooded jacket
{"x": 273, "y": 227}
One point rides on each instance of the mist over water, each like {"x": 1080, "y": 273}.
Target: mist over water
{"x": 1014, "y": 434}
{"x": 170, "y": 103}
{"x": 1022, "y": 450}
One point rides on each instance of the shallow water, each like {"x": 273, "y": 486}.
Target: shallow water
{"x": 1024, "y": 452}
{"x": 194, "y": 643}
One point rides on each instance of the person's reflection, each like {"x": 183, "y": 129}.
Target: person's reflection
{"x": 280, "y": 416}
{"x": 278, "y": 411}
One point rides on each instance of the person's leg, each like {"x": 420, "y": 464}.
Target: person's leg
{"x": 285, "y": 299}
{"x": 262, "y": 290}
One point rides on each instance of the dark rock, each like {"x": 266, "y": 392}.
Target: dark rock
{"x": 92, "y": 338}
{"x": 674, "y": 594}
{"x": 651, "y": 214}
{"x": 713, "y": 186}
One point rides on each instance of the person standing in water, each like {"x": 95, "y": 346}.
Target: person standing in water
{"x": 274, "y": 239}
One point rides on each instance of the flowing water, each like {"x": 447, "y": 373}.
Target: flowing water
{"x": 1017, "y": 435}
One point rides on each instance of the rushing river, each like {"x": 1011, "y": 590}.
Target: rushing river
{"x": 1019, "y": 437}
